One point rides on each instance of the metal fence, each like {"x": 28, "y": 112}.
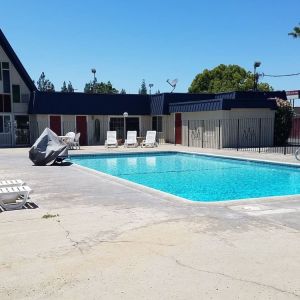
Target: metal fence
{"x": 250, "y": 134}
{"x": 244, "y": 134}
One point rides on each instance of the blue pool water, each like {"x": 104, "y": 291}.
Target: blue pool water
{"x": 198, "y": 177}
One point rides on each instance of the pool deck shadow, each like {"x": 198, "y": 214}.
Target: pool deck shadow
{"x": 112, "y": 240}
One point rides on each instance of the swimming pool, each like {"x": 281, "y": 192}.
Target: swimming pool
{"x": 198, "y": 177}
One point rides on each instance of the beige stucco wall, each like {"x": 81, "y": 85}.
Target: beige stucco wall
{"x": 168, "y": 129}
{"x": 68, "y": 123}
{"x": 230, "y": 128}
{"x": 146, "y": 124}
{"x": 203, "y": 130}
{"x": 93, "y": 139}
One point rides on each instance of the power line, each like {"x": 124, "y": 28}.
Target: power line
{"x": 283, "y": 75}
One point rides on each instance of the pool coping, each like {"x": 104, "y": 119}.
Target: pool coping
{"x": 171, "y": 197}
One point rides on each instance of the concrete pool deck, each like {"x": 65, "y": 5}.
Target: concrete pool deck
{"x": 109, "y": 240}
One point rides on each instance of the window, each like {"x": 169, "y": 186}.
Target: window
{"x": 6, "y": 80}
{"x": 117, "y": 124}
{"x": 16, "y": 93}
{"x": 4, "y": 75}
{"x": 5, "y": 105}
{"x": 157, "y": 123}
{"x": 5, "y": 66}
{"x": 4, "y": 124}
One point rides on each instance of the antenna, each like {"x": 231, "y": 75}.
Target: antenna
{"x": 172, "y": 83}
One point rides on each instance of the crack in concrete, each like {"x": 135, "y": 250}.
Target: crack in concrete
{"x": 136, "y": 242}
{"x": 232, "y": 277}
{"x": 75, "y": 244}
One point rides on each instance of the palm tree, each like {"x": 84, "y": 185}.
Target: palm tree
{"x": 296, "y": 32}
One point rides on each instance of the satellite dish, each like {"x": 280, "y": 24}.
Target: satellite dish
{"x": 172, "y": 83}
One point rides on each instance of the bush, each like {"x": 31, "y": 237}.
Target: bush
{"x": 283, "y": 122}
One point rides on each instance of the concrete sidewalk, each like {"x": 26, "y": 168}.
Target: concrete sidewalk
{"x": 108, "y": 240}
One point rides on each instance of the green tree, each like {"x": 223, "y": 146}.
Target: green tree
{"x": 225, "y": 78}
{"x": 296, "y": 32}
{"x": 64, "y": 88}
{"x": 143, "y": 88}
{"x": 100, "y": 88}
{"x": 123, "y": 91}
{"x": 283, "y": 122}
{"x": 44, "y": 84}
{"x": 67, "y": 89}
{"x": 70, "y": 88}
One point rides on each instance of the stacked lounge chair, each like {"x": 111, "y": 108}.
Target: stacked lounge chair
{"x": 13, "y": 194}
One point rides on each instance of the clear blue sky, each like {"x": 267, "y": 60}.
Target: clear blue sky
{"x": 128, "y": 40}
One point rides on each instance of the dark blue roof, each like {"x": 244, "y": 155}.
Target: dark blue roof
{"x": 226, "y": 101}
{"x": 134, "y": 104}
{"x": 88, "y": 104}
{"x": 159, "y": 104}
{"x": 202, "y": 105}
{"x": 250, "y": 95}
{"x": 16, "y": 62}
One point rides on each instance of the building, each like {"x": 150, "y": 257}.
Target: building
{"x": 16, "y": 88}
{"x": 206, "y": 120}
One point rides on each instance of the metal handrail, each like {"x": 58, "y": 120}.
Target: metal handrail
{"x": 297, "y": 152}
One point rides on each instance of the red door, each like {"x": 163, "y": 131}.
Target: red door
{"x": 178, "y": 126}
{"x": 55, "y": 124}
{"x": 81, "y": 126}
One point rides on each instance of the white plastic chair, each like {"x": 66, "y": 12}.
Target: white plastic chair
{"x": 75, "y": 143}
{"x": 131, "y": 139}
{"x": 150, "y": 140}
{"x": 70, "y": 140}
{"x": 14, "y": 197}
{"x": 11, "y": 182}
{"x": 111, "y": 139}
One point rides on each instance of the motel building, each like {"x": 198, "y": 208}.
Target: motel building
{"x": 200, "y": 120}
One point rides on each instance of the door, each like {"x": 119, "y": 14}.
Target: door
{"x": 55, "y": 124}
{"x": 178, "y": 128}
{"x": 22, "y": 130}
{"x": 81, "y": 126}
{"x": 6, "y": 136}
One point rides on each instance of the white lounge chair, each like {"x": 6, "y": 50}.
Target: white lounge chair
{"x": 14, "y": 197}
{"x": 111, "y": 139}
{"x": 150, "y": 140}
{"x": 131, "y": 139}
{"x": 12, "y": 182}
{"x": 70, "y": 141}
{"x": 75, "y": 143}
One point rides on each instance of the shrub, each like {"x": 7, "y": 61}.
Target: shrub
{"x": 283, "y": 122}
